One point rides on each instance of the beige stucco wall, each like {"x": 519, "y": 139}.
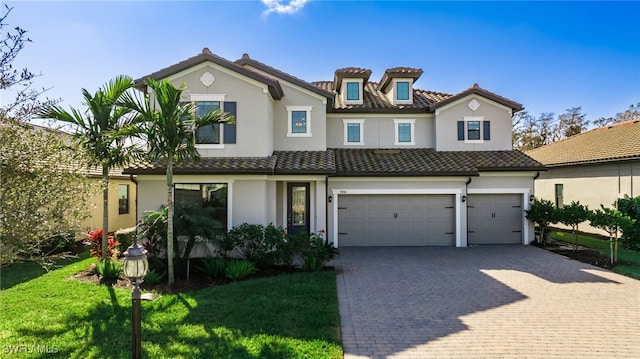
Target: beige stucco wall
{"x": 254, "y": 109}
{"x": 379, "y": 131}
{"x": 447, "y": 121}
{"x": 591, "y": 185}
{"x": 116, "y": 221}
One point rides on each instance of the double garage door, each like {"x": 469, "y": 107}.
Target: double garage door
{"x": 426, "y": 220}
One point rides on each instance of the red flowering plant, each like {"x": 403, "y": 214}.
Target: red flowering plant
{"x": 94, "y": 241}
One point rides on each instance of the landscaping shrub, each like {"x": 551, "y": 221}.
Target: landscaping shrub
{"x": 316, "y": 251}
{"x": 214, "y": 267}
{"x": 125, "y": 237}
{"x": 572, "y": 215}
{"x": 631, "y": 230}
{"x": 153, "y": 231}
{"x": 542, "y": 213}
{"x": 239, "y": 268}
{"x": 94, "y": 241}
{"x": 153, "y": 277}
{"x": 264, "y": 246}
{"x": 109, "y": 268}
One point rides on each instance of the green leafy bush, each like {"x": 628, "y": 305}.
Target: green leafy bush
{"x": 238, "y": 269}
{"x": 264, "y": 246}
{"x": 572, "y": 215}
{"x": 542, "y": 213}
{"x": 631, "y": 230}
{"x": 153, "y": 277}
{"x": 125, "y": 237}
{"x": 214, "y": 267}
{"x": 315, "y": 250}
{"x": 109, "y": 268}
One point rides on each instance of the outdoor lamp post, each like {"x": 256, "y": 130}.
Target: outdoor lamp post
{"x": 135, "y": 268}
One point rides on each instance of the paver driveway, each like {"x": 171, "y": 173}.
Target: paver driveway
{"x": 483, "y": 302}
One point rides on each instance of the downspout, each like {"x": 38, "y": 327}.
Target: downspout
{"x": 135, "y": 181}
{"x": 326, "y": 204}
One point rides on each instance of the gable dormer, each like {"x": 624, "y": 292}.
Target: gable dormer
{"x": 397, "y": 84}
{"x": 349, "y": 83}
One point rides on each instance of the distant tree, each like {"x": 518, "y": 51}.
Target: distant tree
{"x": 530, "y": 132}
{"x": 630, "y": 114}
{"x": 572, "y": 123}
{"x": 26, "y": 101}
{"x": 103, "y": 131}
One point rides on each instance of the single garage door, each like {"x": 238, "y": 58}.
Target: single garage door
{"x": 396, "y": 220}
{"x": 494, "y": 218}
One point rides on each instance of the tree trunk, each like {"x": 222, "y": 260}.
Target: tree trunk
{"x": 105, "y": 210}
{"x": 171, "y": 275}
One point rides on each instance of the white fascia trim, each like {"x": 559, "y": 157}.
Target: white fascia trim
{"x": 290, "y": 110}
{"x": 472, "y": 96}
{"x": 468, "y": 119}
{"x": 265, "y": 88}
{"x": 526, "y": 205}
{"x": 398, "y": 179}
{"x": 290, "y": 84}
{"x": 343, "y": 91}
{"x": 397, "y": 122}
{"x": 395, "y": 92}
{"x": 346, "y": 123}
{"x": 458, "y": 203}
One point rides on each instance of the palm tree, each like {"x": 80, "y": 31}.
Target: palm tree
{"x": 168, "y": 127}
{"x": 102, "y": 130}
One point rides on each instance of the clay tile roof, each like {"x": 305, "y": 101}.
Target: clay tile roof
{"x": 428, "y": 162}
{"x": 260, "y": 165}
{"x": 350, "y": 72}
{"x": 375, "y": 101}
{"x": 248, "y": 61}
{"x": 604, "y": 144}
{"x": 318, "y": 162}
{"x": 391, "y": 73}
{"x": 475, "y": 89}
{"x": 274, "y": 87}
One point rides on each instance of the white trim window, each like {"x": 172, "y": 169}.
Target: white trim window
{"x": 352, "y": 91}
{"x": 353, "y": 132}
{"x": 476, "y": 129}
{"x": 299, "y": 121}
{"x": 403, "y": 91}
{"x": 209, "y": 136}
{"x": 404, "y": 132}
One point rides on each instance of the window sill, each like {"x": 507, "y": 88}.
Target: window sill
{"x": 353, "y": 143}
{"x": 404, "y": 143}
{"x": 298, "y": 135}
{"x": 473, "y": 141}
{"x": 209, "y": 146}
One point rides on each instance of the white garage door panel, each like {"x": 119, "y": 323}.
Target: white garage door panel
{"x": 396, "y": 220}
{"x": 494, "y": 218}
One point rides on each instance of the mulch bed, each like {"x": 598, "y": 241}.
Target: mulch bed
{"x": 582, "y": 254}
{"x": 196, "y": 280}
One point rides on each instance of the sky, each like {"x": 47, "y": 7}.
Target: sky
{"x": 549, "y": 56}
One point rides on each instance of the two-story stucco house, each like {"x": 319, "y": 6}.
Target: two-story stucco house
{"x": 374, "y": 163}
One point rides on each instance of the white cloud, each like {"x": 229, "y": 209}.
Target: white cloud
{"x": 283, "y": 7}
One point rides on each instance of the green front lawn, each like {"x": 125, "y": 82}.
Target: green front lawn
{"x": 628, "y": 260}
{"x": 288, "y": 316}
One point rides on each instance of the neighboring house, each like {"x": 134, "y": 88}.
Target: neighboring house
{"x": 122, "y": 194}
{"x": 595, "y": 167}
{"x": 373, "y": 163}
{"x": 122, "y": 201}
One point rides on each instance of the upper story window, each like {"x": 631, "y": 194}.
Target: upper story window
{"x": 352, "y": 91}
{"x": 210, "y": 134}
{"x": 215, "y": 135}
{"x": 404, "y": 132}
{"x": 402, "y": 93}
{"x": 559, "y": 195}
{"x": 402, "y": 90}
{"x": 474, "y": 129}
{"x": 299, "y": 121}
{"x": 353, "y": 132}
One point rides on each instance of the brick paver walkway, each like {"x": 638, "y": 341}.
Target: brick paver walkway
{"x": 483, "y": 302}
